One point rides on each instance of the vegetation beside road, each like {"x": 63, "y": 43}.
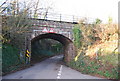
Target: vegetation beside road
{"x": 10, "y": 58}
{"x": 97, "y": 49}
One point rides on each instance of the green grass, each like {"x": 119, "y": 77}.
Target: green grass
{"x": 10, "y": 58}
{"x": 106, "y": 66}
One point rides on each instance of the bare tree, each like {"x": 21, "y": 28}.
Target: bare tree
{"x": 19, "y": 20}
{"x": 36, "y": 9}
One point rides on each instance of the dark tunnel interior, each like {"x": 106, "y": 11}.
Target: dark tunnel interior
{"x": 64, "y": 41}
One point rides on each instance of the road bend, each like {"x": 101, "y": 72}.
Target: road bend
{"x": 51, "y": 68}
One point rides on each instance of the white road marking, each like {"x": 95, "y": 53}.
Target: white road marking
{"x": 58, "y": 77}
{"x": 59, "y": 72}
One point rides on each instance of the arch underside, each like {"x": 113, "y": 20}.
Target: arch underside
{"x": 69, "y": 49}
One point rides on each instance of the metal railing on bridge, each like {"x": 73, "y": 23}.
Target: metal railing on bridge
{"x": 56, "y": 17}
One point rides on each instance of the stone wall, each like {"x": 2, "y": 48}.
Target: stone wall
{"x": 64, "y": 28}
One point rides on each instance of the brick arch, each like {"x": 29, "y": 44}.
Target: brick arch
{"x": 69, "y": 48}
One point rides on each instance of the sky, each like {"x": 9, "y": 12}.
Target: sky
{"x": 89, "y": 8}
{"x": 101, "y": 9}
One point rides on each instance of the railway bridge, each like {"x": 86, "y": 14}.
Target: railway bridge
{"x": 60, "y": 31}
{"x": 56, "y": 30}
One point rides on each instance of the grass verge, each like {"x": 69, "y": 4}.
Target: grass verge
{"x": 105, "y": 66}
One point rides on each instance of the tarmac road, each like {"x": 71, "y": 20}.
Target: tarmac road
{"x": 51, "y": 68}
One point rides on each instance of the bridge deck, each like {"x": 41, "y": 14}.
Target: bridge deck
{"x": 54, "y": 20}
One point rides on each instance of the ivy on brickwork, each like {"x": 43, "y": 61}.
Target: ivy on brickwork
{"x": 77, "y": 36}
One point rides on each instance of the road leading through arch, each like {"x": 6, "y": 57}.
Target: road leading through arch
{"x": 69, "y": 48}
